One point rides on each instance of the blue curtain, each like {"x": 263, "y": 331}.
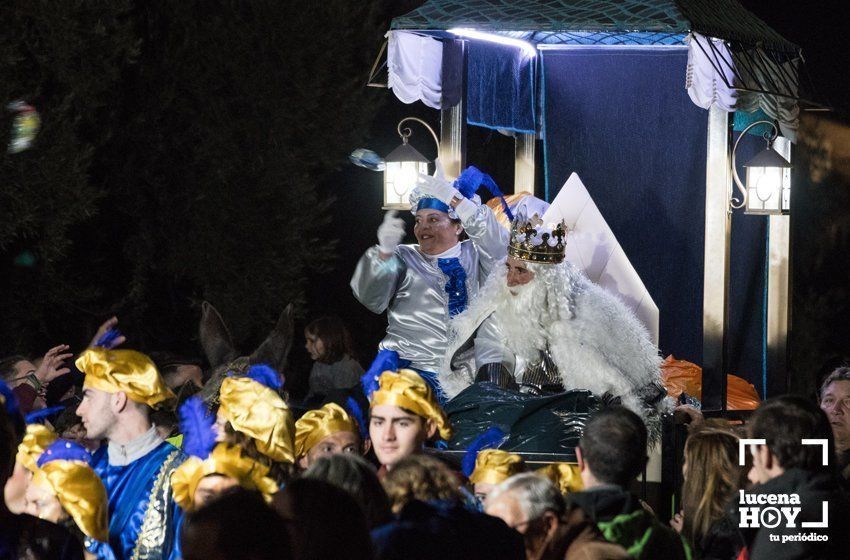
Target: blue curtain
{"x": 622, "y": 119}
{"x": 500, "y": 87}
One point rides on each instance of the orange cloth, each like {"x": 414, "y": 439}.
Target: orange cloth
{"x": 681, "y": 375}
{"x": 495, "y": 205}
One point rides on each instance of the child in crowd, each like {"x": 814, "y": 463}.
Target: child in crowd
{"x": 332, "y": 351}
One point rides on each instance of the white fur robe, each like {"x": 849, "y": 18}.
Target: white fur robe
{"x": 594, "y": 340}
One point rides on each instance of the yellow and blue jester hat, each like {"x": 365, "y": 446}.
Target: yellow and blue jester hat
{"x": 253, "y": 407}
{"x": 385, "y": 383}
{"x": 484, "y": 463}
{"x": 64, "y": 469}
{"x": 124, "y": 370}
{"x": 206, "y": 457}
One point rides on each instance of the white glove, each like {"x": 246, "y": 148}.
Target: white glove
{"x": 390, "y": 233}
{"x": 438, "y": 188}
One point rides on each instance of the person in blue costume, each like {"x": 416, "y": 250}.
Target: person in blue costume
{"x": 66, "y": 490}
{"x": 120, "y": 389}
{"x": 421, "y": 286}
{"x": 22, "y": 535}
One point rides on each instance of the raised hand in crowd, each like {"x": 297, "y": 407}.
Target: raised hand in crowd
{"x": 53, "y": 364}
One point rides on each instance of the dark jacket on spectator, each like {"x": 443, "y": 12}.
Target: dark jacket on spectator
{"x": 813, "y": 489}
{"x": 622, "y": 519}
{"x": 723, "y": 541}
{"x": 578, "y": 538}
{"x": 844, "y": 468}
{"x": 446, "y": 531}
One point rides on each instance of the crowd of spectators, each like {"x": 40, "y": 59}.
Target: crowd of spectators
{"x": 368, "y": 484}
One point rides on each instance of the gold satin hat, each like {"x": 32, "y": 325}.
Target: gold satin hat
{"x": 226, "y": 460}
{"x": 258, "y": 412}
{"x": 493, "y": 466}
{"x": 566, "y": 476}
{"x": 406, "y": 389}
{"x": 320, "y": 423}
{"x": 81, "y": 493}
{"x": 124, "y": 370}
{"x": 36, "y": 439}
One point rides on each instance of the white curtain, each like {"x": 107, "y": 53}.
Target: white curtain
{"x": 414, "y": 64}
{"x": 707, "y": 87}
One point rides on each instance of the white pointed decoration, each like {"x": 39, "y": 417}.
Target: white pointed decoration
{"x": 593, "y": 248}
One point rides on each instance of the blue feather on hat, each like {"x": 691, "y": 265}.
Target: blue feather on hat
{"x": 357, "y": 413}
{"x": 64, "y": 450}
{"x": 43, "y": 414}
{"x": 472, "y": 178}
{"x": 265, "y": 375}
{"x": 9, "y": 400}
{"x": 386, "y": 360}
{"x": 197, "y": 428}
{"x": 107, "y": 339}
{"x": 491, "y": 439}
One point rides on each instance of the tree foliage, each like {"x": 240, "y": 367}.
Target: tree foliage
{"x": 180, "y": 158}
{"x": 65, "y": 58}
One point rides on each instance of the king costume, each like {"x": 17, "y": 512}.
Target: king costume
{"x": 558, "y": 330}
{"x": 144, "y": 520}
{"x": 421, "y": 292}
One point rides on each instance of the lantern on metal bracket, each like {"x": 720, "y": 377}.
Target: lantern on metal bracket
{"x": 768, "y": 178}
{"x": 404, "y": 164}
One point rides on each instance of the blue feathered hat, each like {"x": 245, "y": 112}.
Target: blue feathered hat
{"x": 470, "y": 180}
{"x": 491, "y": 439}
{"x": 39, "y": 416}
{"x": 356, "y": 412}
{"x": 386, "y": 360}
{"x": 265, "y": 375}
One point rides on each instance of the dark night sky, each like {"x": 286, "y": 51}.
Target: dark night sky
{"x": 819, "y": 27}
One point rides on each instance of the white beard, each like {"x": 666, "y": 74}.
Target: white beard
{"x": 521, "y": 314}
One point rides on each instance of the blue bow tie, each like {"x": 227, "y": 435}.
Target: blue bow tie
{"x": 456, "y": 285}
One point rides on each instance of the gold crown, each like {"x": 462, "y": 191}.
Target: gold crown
{"x": 532, "y": 241}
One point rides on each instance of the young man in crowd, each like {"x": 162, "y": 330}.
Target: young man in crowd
{"x": 611, "y": 454}
{"x": 404, "y": 414}
{"x": 534, "y": 507}
{"x": 804, "y": 476}
{"x": 324, "y": 432}
{"x": 120, "y": 389}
